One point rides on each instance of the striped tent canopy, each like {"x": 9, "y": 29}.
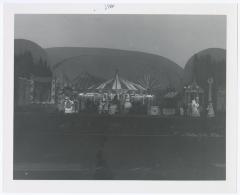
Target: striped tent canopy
{"x": 119, "y": 84}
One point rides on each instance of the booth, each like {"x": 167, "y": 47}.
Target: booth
{"x": 170, "y": 103}
{"x": 193, "y": 92}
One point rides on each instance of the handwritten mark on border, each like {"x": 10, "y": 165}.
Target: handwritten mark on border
{"x": 109, "y": 6}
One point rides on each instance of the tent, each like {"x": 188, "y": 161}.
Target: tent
{"x": 118, "y": 84}
{"x": 116, "y": 92}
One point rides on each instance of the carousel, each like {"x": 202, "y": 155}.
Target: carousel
{"x": 116, "y": 95}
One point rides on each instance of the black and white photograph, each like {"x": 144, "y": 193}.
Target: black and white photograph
{"x": 119, "y": 97}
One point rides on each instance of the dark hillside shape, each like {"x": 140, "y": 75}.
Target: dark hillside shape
{"x": 22, "y": 46}
{"x": 103, "y": 63}
{"x": 207, "y": 63}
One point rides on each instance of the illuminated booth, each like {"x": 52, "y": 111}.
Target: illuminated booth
{"x": 170, "y": 103}
{"x": 193, "y": 92}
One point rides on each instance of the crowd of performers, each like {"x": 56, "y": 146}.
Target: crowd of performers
{"x": 120, "y": 96}
{"x": 107, "y": 103}
{"x": 195, "y": 109}
{"x": 127, "y": 104}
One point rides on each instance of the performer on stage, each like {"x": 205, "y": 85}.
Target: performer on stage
{"x": 68, "y": 104}
{"x": 210, "y": 110}
{"x": 195, "y": 109}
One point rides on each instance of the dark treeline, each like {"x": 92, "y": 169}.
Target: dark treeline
{"x": 24, "y": 66}
{"x": 205, "y": 67}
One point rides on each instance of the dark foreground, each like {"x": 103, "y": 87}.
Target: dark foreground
{"x": 50, "y": 146}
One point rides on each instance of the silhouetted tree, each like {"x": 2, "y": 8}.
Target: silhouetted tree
{"x": 205, "y": 67}
{"x": 24, "y": 66}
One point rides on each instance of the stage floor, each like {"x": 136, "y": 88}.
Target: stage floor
{"x": 116, "y": 147}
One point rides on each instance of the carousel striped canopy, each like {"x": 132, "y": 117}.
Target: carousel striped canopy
{"x": 117, "y": 84}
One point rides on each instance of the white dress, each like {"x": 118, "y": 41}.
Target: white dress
{"x": 68, "y": 107}
{"x": 210, "y": 109}
{"x": 195, "y": 109}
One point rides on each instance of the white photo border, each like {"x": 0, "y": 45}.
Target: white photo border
{"x": 68, "y": 186}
